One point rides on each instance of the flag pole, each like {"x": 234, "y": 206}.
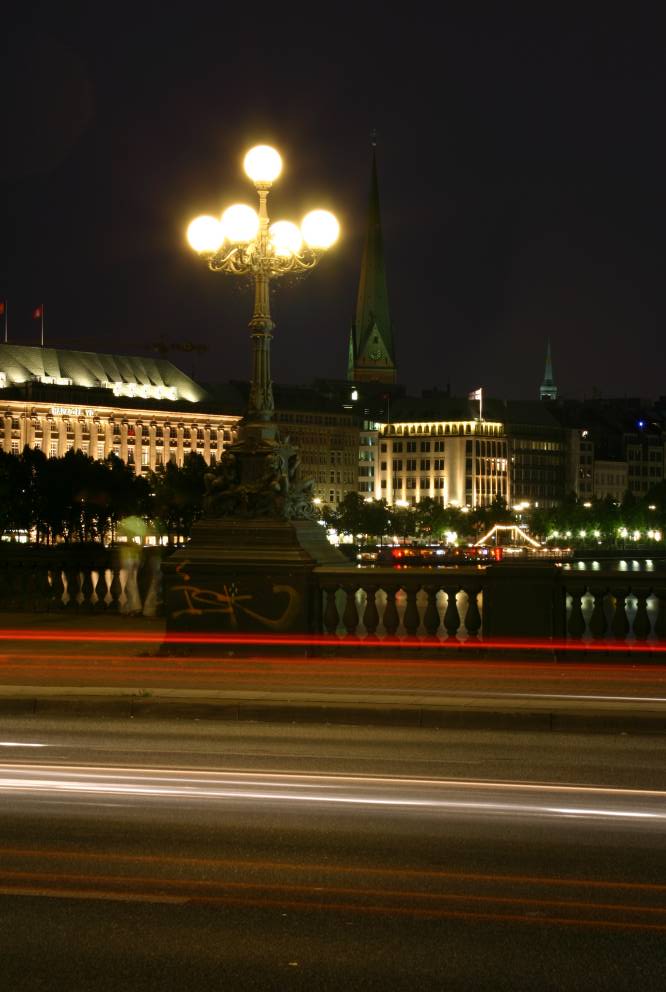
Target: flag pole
{"x": 481, "y": 403}
{"x": 4, "y": 310}
{"x": 42, "y": 310}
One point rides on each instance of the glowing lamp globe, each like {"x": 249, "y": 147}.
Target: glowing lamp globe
{"x": 286, "y": 238}
{"x": 240, "y": 224}
{"x": 205, "y": 234}
{"x": 320, "y": 229}
{"x": 262, "y": 164}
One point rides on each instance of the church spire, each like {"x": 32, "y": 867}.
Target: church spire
{"x": 548, "y": 389}
{"x": 371, "y": 354}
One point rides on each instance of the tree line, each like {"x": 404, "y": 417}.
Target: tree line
{"x": 75, "y": 498}
{"x": 574, "y": 522}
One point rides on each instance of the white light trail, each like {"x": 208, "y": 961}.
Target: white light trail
{"x": 451, "y": 796}
{"x": 20, "y": 744}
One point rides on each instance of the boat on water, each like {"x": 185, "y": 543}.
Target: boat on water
{"x": 503, "y": 543}
{"x": 415, "y": 556}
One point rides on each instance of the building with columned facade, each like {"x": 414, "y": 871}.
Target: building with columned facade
{"x": 144, "y": 410}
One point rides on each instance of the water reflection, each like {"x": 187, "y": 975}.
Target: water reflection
{"x": 617, "y": 565}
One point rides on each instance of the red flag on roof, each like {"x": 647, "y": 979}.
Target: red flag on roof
{"x": 38, "y": 312}
{"x": 2, "y": 308}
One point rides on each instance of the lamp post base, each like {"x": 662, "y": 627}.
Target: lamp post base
{"x": 248, "y": 566}
{"x": 247, "y": 576}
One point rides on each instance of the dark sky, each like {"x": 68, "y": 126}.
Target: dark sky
{"x": 522, "y": 176}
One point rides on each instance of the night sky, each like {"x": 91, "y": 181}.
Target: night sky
{"x": 521, "y": 167}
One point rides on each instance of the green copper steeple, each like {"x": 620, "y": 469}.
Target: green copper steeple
{"x": 548, "y": 389}
{"x": 371, "y": 354}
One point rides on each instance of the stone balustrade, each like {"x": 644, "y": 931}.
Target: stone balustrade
{"x": 615, "y": 606}
{"x": 91, "y": 578}
{"x": 418, "y": 602}
{"x": 490, "y": 603}
{"x": 465, "y": 603}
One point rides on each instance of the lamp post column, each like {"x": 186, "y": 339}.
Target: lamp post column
{"x": 261, "y": 405}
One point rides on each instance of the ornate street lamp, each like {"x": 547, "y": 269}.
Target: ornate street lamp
{"x": 249, "y": 565}
{"x": 243, "y": 242}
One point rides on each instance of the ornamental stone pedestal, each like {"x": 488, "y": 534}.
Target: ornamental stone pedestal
{"x": 248, "y": 566}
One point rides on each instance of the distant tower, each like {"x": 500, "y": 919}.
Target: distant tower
{"x": 548, "y": 389}
{"x": 371, "y": 355}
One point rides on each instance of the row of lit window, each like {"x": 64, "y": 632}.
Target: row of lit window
{"x": 459, "y": 428}
{"x": 410, "y": 446}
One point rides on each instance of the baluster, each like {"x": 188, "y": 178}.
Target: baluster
{"x": 144, "y": 578}
{"x": 371, "y": 614}
{"x": 619, "y": 622}
{"x": 451, "y": 616}
{"x": 115, "y": 588}
{"x": 87, "y": 588}
{"x": 473, "y": 616}
{"x": 151, "y": 595}
{"x": 598, "y": 618}
{"x": 411, "y": 619}
{"x": 350, "y": 614}
{"x": 576, "y": 618}
{"x": 103, "y": 586}
{"x": 331, "y": 616}
{"x": 132, "y": 604}
{"x": 431, "y": 616}
{"x": 58, "y": 585}
{"x": 641, "y": 620}
{"x": 99, "y": 586}
{"x": 660, "y": 621}
{"x": 391, "y": 618}
{"x": 72, "y": 577}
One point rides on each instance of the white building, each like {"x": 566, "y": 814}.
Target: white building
{"x": 145, "y": 410}
{"x": 459, "y": 463}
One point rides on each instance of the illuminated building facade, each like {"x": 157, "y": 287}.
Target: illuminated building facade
{"x": 458, "y": 462}
{"x": 144, "y": 410}
{"x": 436, "y": 446}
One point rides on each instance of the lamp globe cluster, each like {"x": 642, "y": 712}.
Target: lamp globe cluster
{"x": 242, "y": 227}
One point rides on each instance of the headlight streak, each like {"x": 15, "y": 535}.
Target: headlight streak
{"x": 20, "y": 744}
{"x": 446, "y": 796}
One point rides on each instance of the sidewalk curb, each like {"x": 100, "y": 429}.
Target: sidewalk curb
{"x": 132, "y": 705}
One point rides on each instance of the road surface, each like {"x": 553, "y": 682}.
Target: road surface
{"x": 197, "y": 856}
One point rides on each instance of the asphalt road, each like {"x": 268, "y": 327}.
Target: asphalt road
{"x": 198, "y": 856}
